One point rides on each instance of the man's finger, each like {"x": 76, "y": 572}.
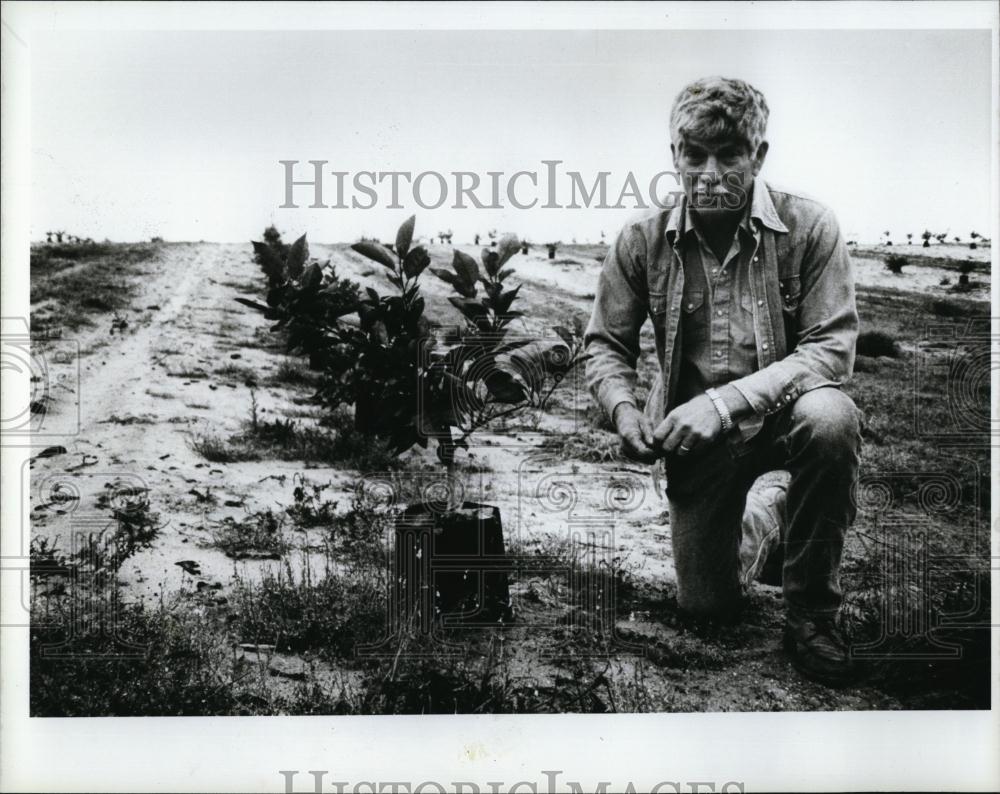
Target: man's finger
{"x": 647, "y": 431}
{"x": 686, "y": 445}
{"x": 636, "y": 449}
{"x": 638, "y": 442}
{"x": 674, "y": 440}
{"x": 663, "y": 429}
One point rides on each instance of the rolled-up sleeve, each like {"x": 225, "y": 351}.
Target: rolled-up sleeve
{"x": 828, "y": 326}
{"x": 612, "y": 336}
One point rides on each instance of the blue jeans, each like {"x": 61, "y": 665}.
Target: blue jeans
{"x": 718, "y": 543}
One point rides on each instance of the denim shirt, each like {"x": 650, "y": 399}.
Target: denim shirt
{"x": 718, "y": 341}
{"x": 801, "y": 292}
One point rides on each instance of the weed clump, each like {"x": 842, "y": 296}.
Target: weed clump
{"x": 260, "y": 536}
{"x": 895, "y": 263}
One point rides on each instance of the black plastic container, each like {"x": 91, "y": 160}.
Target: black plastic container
{"x": 451, "y": 566}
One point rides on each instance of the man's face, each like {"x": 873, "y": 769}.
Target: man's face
{"x": 717, "y": 175}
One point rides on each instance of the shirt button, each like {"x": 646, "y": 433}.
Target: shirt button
{"x": 719, "y": 312}
{"x": 756, "y": 259}
{"x": 764, "y": 346}
{"x": 760, "y": 303}
{"x": 690, "y": 305}
{"x": 715, "y": 270}
{"x": 718, "y": 354}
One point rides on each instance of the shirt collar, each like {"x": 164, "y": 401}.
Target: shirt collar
{"x": 761, "y": 209}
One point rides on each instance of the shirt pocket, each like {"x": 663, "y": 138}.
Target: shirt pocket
{"x": 657, "y": 304}
{"x": 791, "y": 293}
{"x": 694, "y": 299}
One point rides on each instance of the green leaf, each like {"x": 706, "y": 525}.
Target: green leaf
{"x": 395, "y": 280}
{"x": 565, "y": 334}
{"x": 312, "y": 277}
{"x": 503, "y": 388}
{"x": 415, "y": 261}
{"x": 539, "y": 359}
{"x": 470, "y": 309}
{"x": 377, "y": 253}
{"x": 507, "y": 247}
{"x": 504, "y": 273}
{"x": 253, "y": 304}
{"x": 507, "y": 346}
{"x": 447, "y": 275}
{"x": 269, "y": 261}
{"x": 557, "y": 358}
{"x": 491, "y": 261}
{"x": 466, "y": 268}
{"x": 405, "y": 236}
{"x": 456, "y": 281}
{"x": 506, "y": 299}
{"x": 297, "y": 256}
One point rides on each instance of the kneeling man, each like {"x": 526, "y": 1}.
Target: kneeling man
{"x": 751, "y": 295}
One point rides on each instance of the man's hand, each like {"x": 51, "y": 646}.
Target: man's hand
{"x": 636, "y": 432}
{"x": 688, "y": 427}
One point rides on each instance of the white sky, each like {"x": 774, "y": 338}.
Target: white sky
{"x": 178, "y": 134}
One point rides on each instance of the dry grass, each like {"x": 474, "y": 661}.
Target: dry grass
{"x": 74, "y": 284}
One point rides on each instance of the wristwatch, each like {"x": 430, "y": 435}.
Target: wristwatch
{"x": 722, "y": 408}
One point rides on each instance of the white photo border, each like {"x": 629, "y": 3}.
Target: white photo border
{"x": 941, "y": 750}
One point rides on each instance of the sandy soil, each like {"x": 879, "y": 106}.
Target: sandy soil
{"x": 145, "y": 393}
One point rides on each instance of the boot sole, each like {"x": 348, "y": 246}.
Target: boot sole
{"x": 833, "y": 680}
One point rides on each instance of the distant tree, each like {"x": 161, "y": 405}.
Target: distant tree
{"x": 975, "y": 236}
{"x": 48, "y": 237}
{"x": 941, "y": 237}
{"x": 927, "y": 238}
{"x": 477, "y": 239}
{"x": 552, "y": 249}
{"x": 59, "y": 236}
{"x": 887, "y": 234}
{"x": 909, "y": 238}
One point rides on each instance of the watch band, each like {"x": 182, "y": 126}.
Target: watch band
{"x": 722, "y": 408}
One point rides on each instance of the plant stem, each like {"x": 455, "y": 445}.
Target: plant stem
{"x": 454, "y": 495}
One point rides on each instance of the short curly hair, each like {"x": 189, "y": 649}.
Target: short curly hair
{"x": 719, "y": 108}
